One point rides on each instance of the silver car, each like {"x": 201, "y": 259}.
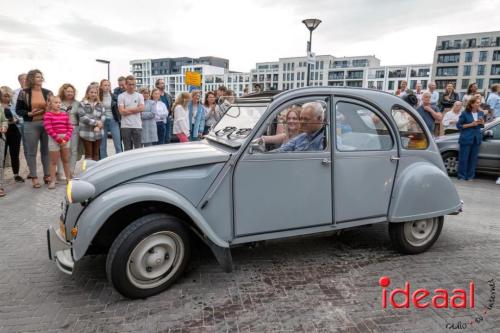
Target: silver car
{"x": 489, "y": 151}
{"x": 306, "y": 161}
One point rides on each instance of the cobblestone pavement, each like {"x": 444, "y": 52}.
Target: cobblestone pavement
{"x": 313, "y": 284}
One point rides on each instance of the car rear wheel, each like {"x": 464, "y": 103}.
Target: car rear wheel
{"x": 148, "y": 256}
{"x": 450, "y": 160}
{"x": 415, "y": 236}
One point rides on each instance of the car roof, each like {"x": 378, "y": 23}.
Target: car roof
{"x": 381, "y": 99}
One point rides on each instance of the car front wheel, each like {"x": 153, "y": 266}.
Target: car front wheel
{"x": 415, "y": 236}
{"x": 148, "y": 256}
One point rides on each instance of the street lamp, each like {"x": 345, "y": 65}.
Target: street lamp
{"x": 311, "y": 24}
{"x": 107, "y": 62}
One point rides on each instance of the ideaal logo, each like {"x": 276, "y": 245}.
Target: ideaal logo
{"x": 440, "y": 298}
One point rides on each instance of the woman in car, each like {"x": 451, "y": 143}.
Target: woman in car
{"x": 290, "y": 129}
{"x": 469, "y": 123}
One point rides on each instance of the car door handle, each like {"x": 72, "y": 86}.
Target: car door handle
{"x": 395, "y": 158}
{"x": 326, "y": 161}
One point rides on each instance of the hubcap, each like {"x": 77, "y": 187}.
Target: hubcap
{"x": 419, "y": 233}
{"x": 451, "y": 165}
{"x": 155, "y": 259}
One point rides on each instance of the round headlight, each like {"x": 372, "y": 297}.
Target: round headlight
{"x": 79, "y": 190}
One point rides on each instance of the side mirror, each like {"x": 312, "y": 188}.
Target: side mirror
{"x": 487, "y": 134}
{"x": 257, "y": 145}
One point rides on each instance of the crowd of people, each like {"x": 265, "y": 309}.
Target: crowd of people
{"x": 63, "y": 129}
{"x": 447, "y": 114}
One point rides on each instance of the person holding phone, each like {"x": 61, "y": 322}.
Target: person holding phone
{"x": 469, "y": 124}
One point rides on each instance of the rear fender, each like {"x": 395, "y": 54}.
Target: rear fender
{"x": 422, "y": 191}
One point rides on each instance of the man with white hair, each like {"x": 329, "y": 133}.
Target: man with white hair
{"x": 311, "y": 124}
{"x": 429, "y": 112}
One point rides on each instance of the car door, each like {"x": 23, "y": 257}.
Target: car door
{"x": 276, "y": 191}
{"x": 365, "y": 161}
{"x": 489, "y": 151}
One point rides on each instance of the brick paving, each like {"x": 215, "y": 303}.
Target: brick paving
{"x": 310, "y": 284}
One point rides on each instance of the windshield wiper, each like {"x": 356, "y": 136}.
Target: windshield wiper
{"x": 225, "y": 131}
{"x": 242, "y": 132}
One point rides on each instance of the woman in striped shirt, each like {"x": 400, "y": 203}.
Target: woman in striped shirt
{"x": 59, "y": 129}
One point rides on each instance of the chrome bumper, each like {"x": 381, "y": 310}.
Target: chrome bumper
{"x": 60, "y": 251}
{"x": 460, "y": 209}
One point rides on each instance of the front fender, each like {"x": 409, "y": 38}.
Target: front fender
{"x": 423, "y": 191}
{"x": 101, "y": 208}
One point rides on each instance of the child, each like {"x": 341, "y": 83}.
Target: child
{"x": 3, "y": 129}
{"x": 59, "y": 130}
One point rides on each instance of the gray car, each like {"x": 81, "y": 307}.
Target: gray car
{"x": 489, "y": 151}
{"x": 306, "y": 161}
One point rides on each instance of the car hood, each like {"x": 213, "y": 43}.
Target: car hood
{"x": 447, "y": 138}
{"x": 129, "y": 165}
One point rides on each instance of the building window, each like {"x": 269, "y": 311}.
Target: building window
{"x": 494, "y": 81}
{"x": 441, "y": 84}
{"x": 360, "y": 63}
{"x": 293, "y": 67}
{"x": 316, "y": 76}
{"x": 495, "y": 69}
{"x": 380, "y": 85}
{"x": 447, "y": 71}
{"x": 379, "y": 74}
{"x": 468, "y": 56}
{"x": 391, "y": 85}
{"x": 485, "y": 41}
{"x": 496, "y": 55}
{"x": 465, "y": 83}
{"x": 292, "y": 78}
{"x": 449, "y": 58}
{"x": 339, "y": 75}
{"x": 483, "y": 56}
{"x": 284, "y": 77}
{"x": 336, "y": 83}
{"x": 481, "y": 69}
{"x": 470, "y": 43}
{"x": 355, "y": 74}
{"x": 371, "y": 84}
{"x": 424, "y": 83}
{"x": 284, "y": 67}
{"x": 413, "y": 84}
{"x": 467, "y": 70}
{"x": 321, "y": 64}
{"x": 397, "y": 73}
{"x": 479, "y": 83}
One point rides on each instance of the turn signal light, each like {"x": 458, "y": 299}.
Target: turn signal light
{"x": 74, "y": 232}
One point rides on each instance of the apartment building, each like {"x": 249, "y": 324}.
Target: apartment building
{"x": 389, "y": 78}
{"x": 467, "y": 58}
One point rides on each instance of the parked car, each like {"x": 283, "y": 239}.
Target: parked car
{"x": 489, "y": 151}
{"x": 361, "y": 157}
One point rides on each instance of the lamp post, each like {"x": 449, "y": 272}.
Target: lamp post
{"x": 107, "y": 62}
{"x": 311, "y": 24}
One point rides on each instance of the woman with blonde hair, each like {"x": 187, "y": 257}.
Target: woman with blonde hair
{"x": 91, "y": 113}
{"x": 13, "y": 135}
{"x": 288, "y": 129}
{"x": 181, "y": 117}
{"x": 69, "y": 104}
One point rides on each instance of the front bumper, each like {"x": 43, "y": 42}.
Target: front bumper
{"x": 460, "y": 209}
{"x": 60, "y": 251}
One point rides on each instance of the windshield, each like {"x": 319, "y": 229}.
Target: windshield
{"x": 236, "y": 124}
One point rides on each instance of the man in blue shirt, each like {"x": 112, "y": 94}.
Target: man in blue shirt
{"x": 494, "y": 100}
{"x": 429, "y": 112}
{"x": 312, "y": 124}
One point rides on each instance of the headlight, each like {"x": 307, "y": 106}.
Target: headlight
{"x": 79, "y": 190}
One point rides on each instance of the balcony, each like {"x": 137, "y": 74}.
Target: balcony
{"x": 465, "y": 45}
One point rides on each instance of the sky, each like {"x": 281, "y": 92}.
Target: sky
{"x": 64, "y": 37}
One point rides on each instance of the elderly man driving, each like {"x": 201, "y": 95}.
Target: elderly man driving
{"x": 311, "y": 124}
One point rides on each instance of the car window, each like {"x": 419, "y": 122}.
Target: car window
{"x": 496, "y": 132}
{"x": 298, "y": 127}
{"x": 360, "y": 129}
{"x": 411, "y": 132}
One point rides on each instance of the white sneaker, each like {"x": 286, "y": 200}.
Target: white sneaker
{"x": 498, "y": 181}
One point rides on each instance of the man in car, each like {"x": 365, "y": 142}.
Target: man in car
{"x": 312, "y": 126}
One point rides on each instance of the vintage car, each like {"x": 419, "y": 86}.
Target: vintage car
{"x": 488, "y": 160}
{"x": 305, "y": 161}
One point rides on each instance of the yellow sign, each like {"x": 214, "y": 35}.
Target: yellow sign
{"x": 193, "y": 79}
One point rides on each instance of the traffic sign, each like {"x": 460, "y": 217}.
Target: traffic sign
{"x": 193, "y": 79}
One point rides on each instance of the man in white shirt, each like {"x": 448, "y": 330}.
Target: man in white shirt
{"x": 434, "y": 94}
{"x": 130, "y": 105}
